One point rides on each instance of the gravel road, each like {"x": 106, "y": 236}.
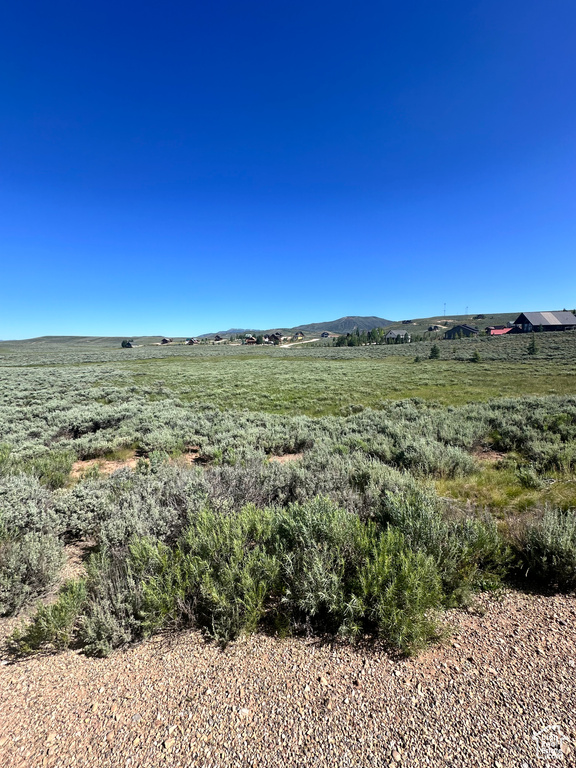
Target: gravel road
{"x": 176, "y": 700}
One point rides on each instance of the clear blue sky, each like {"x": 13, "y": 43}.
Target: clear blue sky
{"x": 177, "y": 168}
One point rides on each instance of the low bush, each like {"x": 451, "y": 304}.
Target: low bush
{"x": 469, "y": 552}
{"x": 29, "y": 565}
{"x": 311, "y": 566}
{"x": 53, "y": 626}
{"x": 548, "y": 549}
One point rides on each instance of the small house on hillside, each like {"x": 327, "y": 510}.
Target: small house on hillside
{"x": 218, "y": 338}
{"x": 276, "y": 336}
{"x": 298, "y": 336}
{"x": 324, "y": 335}
{"x": 434, "y": 328}
{"x": 545, "y": 321}
{"x": 498, "y": 330}
{"x": 166, "y": 341}
{"x": 249, "y": 339}
{"x": 192, "y": 341}
{"x": 393, "y": 336}
{"x": 458, "y": 331}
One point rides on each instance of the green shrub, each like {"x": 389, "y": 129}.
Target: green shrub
{"x": 528, "y": 477}
{"x": 548, "y": 548}
{"x": 310, "y": 566}
{"x": 219, "y": 576}
{"x": 402, "y": 592}
{"x": 321, "y": 549}
{"x": 29, "y": 565}
{"x": 52, "y": 469}
{"x": 53, "y": 626}
{"x": 469, "y": 553}
{"x": 111, "y": 613}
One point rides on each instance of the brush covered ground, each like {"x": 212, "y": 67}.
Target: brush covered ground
{"x": 460, "y": 468}
{"x": 353, "y": 494}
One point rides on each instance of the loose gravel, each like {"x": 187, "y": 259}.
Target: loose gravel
{"x": 507, "y": 673}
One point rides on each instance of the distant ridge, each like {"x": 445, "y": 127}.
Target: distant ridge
{"x": 341, "y": 325}
{"x": 346, "y": 324}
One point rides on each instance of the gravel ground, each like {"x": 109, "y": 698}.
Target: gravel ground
{"x": 176, "y": 700}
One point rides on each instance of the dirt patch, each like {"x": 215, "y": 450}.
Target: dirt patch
{"x": 76, "y": 554}
{"x": 190, "y": 457}
{"x": 285, "y": 458}
{"x": 108, "y": 466}
{"x": 488, "y": 456}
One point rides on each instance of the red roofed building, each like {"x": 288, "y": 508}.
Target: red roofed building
{"x": 498, "y": 330}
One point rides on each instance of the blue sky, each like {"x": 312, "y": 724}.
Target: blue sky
{"x": 176, "y": 168}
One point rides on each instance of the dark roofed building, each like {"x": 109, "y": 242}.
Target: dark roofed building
{"x": 458, "y": 331}
{"x": 547, "y": 321}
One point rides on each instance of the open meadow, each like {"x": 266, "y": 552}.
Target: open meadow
{"x": 315, "y": 466}
{"x": 343, "y": 507}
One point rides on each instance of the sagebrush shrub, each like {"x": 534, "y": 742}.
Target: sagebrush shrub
{"x": 548, "y": 548}
{"x": 29, "y": 565}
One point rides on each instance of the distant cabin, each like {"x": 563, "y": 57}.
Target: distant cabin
{"x": 248, "y": 339}
{"x": 498, "y": 330}
{"x": 460, "y": 330}
{"x": 325, "y": 335}
{"x": 218, "y": 338}
{"x": 391, "y": 336}
{"x": 192, "y": 341}
{"x": 298, "y": 336}
{"x": 546, "y": 321}
{"x": 166, "y": 341}
{"x": 276, "y": 336}
{"x": 434, "y": 328}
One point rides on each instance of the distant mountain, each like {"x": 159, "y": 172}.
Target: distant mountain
{"x": 229, "y": 332}
{"x": 342, "y": 325}
{"x": 345, "y": 324}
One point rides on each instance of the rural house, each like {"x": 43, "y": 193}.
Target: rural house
{"x": 392, "y": 336}
{"x": 298, "y": 336}
{"x": 545, "y": 321}
{"x": 460, "y": 330}
{"x": 325, "y": 335}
